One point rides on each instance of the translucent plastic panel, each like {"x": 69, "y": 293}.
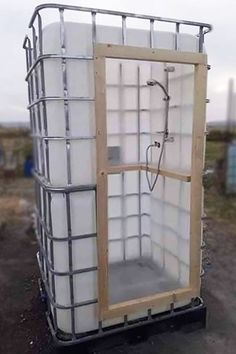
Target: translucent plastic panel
{"x": 127, "y": 104}
{"x": 170, "y": 228}
{"x": 147, "y": 251}
{"x": 137, "y": 113}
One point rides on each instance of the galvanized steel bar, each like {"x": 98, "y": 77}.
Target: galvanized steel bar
{"x": 64, "y": 189}
{"x": 43, "y": 93}
{"x": 151, "y": 33}
{"x": 119, "y": 13}
{"x": 50, "y": 229}
{"x": 68, "y": 155}
{"x": 43, "y": 57}
{"x": 139, "y": 160}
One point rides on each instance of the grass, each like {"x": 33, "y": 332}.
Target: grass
{"x": 214, "y": 151}
{"x": 218, "y": 205}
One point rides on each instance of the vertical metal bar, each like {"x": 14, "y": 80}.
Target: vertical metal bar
{"x": 34, "y": 43}
{"x": 69, "y": 231}
{"x": 94, "y": 30}
{"x": 177, "y": 26}
{"x": 68, "y": 148}
{"x": 37, "y": 202}
{"x": 164, "y": 179}
{"x": 40, "y": 228}
{"x": 201, "y": 39}
{"x": 50, "y": 229}
{"x": 32, "y": 109}
{"x": 151, "y": 33}
{"x": 180, "y": 183}
{"x": 163, "y": 221}
{"x": 27, "y": 58}
{"x": 44, "y": 212}
{"x": 43, "y": 94}
{"x": 38, "y": 105}
{"x": 124, "y": 30}
{"x": 139, "y": 160}
{"x": 151, "y": 46}
{"x": 121, "y": 119}
{"x": 27, "y": 55}
{"x": 65, "y": 91}
{"x": 123, "y": 221}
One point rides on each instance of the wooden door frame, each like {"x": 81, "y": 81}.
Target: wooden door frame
{"x": 199, "y": 60}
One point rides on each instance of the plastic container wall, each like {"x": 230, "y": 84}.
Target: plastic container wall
{"x": 79, "y": 116}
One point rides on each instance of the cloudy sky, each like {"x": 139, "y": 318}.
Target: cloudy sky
{"x": 220, "y": 45}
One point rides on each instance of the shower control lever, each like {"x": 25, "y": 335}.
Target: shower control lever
{"x": 157, "y": 144}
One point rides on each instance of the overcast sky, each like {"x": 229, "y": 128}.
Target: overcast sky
{"x": 220, "y": 45}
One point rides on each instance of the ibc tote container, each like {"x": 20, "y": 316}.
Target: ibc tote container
{"x": 118, "y": 118}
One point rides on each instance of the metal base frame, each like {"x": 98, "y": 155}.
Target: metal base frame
{"x": 189, "y": 318}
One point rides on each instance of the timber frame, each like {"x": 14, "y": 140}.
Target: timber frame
{"x": 199, "y": 60}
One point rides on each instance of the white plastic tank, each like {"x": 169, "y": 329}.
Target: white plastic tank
{"x": 66, "y": 155}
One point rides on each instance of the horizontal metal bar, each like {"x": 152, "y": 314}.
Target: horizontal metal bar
{"x": 165, "y": 250}
{"x": 65, "y": 138}
{"x": 65, "y": 189}
{"x": 65, "y": 273}
{"x": 172, "y": 78}
{"x": 60, "y": 98}
{"x": 127, "y": 216}
{"x": 171, "y": 229}
{"x": 61, "y": 239}
{"x": 126, "y": 238}
{"x": 119, "y": 13}
{"x": 146, "y": 109}
{"x": 57, "y": 138}
{"x": 127, "y": 195}
{"x": 128, "y": 110}
{"x": 128, "y": 86}
{"x": 55, "y": 56}
{"x": 55, "y": 304}
{"x": 167, "y": 203}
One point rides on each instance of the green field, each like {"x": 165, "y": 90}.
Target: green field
{"x": 218, "y": 205}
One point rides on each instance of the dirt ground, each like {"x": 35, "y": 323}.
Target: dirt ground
{"x": 23, "y": 326}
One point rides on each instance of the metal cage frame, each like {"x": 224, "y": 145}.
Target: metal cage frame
{"x": 43, "y": 188}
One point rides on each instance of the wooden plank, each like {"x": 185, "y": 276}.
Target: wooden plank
{"x": 122, "y": 168}
{"x": 139, "y": 53}
{"x": 101, "y": 151}
{"x": 148, "y": 302}
{"x": 180, "y": 175}
{"x": 198, "y": 140}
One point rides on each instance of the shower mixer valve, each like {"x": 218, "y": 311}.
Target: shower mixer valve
{"x": 165, "y": 132}
{"x": 157, "y": 144}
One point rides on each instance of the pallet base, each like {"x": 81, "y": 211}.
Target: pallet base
{"x": 188, "y": 318}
